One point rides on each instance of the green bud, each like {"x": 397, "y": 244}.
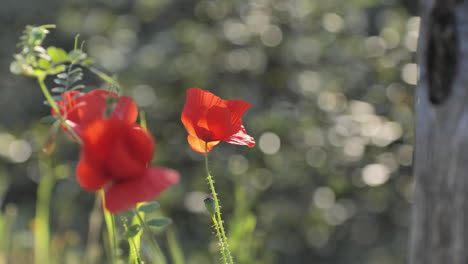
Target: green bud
{"x": 131, "y": 231}
{"x": 210, "y": 205}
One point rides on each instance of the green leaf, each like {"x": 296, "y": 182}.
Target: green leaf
{"x": 39, "y": 49}
{"x": 149, "y": 207}
{"x": 77, "y": 87}
{"x": 75, "y": 77}
{"x": 57, "y": 69}
{"x": 75, "y": 70}
{"x": 44, "y": 64}
{"x": 57, "y": 55}
{"x": 76, "y": 55}
{"x": 48, "y": 119}
{"x": 57, "y": 97}
{"x": 58, "y": 89}
{"x": 87, "y": 62}
{"x": 127, "y": 214}
{"x": 61, "y": 82}
{"x": 158, "y": 222}
{"x": 62, "y": 75}
{"x": 132, "y": 231}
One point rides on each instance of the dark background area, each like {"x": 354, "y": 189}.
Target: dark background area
{"x": 331, "y": 85}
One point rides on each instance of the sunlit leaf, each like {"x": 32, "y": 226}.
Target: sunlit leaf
{"x": 57, "y": 69}
{"x": 87, "y": 62}
{"x": 57, "y": 55}
{"x": 44, "y": 64}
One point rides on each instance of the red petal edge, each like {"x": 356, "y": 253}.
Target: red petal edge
{"x": 125, "y": 195}
{"x": 241, "y": 138}
{"x": 89, "y": 177}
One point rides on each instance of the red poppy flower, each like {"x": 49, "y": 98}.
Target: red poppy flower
{"x": 210, "y": 119}
{"x": 80, "y": 109}
{"x": 116, "y": 155}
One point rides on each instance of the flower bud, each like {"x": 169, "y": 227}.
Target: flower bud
{"x": 49, "y": 145}
{"x": 210, "y": 205}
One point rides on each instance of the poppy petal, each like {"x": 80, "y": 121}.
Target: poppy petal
{"x": 140, "y": 143}
{"x": 241, "y": 138}
{"x": 99, "y": 138}
{"x": 199, "y": 145}
{"x": 219, "y": 125}
{"x": 90, "y": 177}
{"x": 197, "y": 102}
{"x": 237, "y": 108}
{"x": 126, "y": 110}
{"x": 124, "y": 195}
{"x": 123, "y": 164}
{"x": 197, "y": 97}
{"x": 209, "y": 118}
{"x": 188, "y": 123}
{"x": 92, "y": 106}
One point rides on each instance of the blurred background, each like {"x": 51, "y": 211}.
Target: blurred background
{"x": 331, "y": 85}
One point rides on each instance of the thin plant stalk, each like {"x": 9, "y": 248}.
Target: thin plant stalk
{"x": 111, "y": 234}
{"x": 217, "y": 219}
{"x": 221, "y": 244}
{"x": 134, "y": 256}
{"x": 41, "y": 223}
{"x": 160, "y": 259}
{"x": 95, "y": 223}
{"x": 177, "y": 254}
{"x": 134, "y": 249}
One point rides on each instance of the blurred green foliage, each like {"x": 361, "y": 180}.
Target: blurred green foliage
{"x": 331, "y": 87}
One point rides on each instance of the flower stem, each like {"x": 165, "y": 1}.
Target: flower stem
{"x": 95, "y": 223}
{"x": 220, "y": 239}
{"x": 217, "y": 220}
{"x": 149, "y": 233}
{"x": 134, "y": 248}
{"x": 134, "y": 256}
{"x": 110, "y": 224}
{"x": 56, "y": 109}
{"x": 41, "y": 223}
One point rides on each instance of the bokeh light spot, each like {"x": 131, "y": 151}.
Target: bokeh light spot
{"x": 375, "y": 174}
{"x": 272, "y": 36}
{"x": 324, "y": 197}
{"x": 409, "y": 73}
{"x": 238, "y": 164}
{"x": 269, "y": 143}
{"x": 332, "y": 22}
{"x": 144, "y": 95}
{"x": 19, "y": 150}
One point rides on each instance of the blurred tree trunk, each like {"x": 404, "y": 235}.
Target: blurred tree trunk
{"x": 439, "y": 227}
